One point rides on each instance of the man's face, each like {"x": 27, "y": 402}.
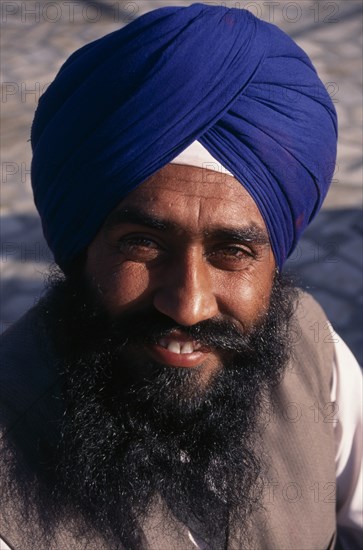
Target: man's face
{"x": 191, "y": 245}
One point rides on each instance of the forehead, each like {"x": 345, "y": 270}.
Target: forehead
{"x": 195, "y": 198}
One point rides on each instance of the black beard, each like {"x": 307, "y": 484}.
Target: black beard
{"x": 132, "y": 432}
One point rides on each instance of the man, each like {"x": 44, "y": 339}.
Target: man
{"x": 168, "y": 393}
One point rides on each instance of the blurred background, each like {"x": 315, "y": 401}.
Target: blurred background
{"x": 36, "y": 39}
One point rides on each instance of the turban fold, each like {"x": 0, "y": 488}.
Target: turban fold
{"x": 124, "y": 106}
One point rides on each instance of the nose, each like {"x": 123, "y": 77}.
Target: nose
{"x": 186, "y": 293}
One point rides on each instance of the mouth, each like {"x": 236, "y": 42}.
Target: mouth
{"x": 178, "y": 350}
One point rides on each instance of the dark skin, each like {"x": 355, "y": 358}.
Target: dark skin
{"x": 192, "y": 244}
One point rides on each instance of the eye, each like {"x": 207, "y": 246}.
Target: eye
{"x": 139, "y": 248}
{"x": 231, "y": 257}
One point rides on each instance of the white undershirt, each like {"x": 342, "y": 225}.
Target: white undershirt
{"x": 347, "y": 392}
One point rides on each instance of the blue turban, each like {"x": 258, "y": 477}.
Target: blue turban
{"x": 124, "y": 106}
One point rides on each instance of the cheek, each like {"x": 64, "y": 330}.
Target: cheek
{"x": 120, "y": 286}
{"x": 248, "y": 297}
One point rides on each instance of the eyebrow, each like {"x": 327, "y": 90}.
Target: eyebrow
{"x": 137, "y": 217}
{"x": 252, "y": 233}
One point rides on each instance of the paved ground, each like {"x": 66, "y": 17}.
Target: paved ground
{"x": 36, "y": 39}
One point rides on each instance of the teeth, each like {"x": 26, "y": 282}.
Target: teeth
{"x": 174, "y": 346}
{"x": 187, "y": 348}
{"x": 177, "y": 347}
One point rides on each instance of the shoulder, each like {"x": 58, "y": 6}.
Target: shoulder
{"x": 308, "y": 310}
{"x": 313, "y": 335}
{"x": 21, "y": 334}
{"x": 27, "y": 365}
{"x": 308, "y": 376}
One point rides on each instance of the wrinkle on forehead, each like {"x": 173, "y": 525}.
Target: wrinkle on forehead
{"x": 190, "y": 182}
{"x": 196, "y": 193}
{"x": 203, "y": 178}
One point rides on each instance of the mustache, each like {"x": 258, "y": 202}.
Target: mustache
{"x": 150, "y": 326}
